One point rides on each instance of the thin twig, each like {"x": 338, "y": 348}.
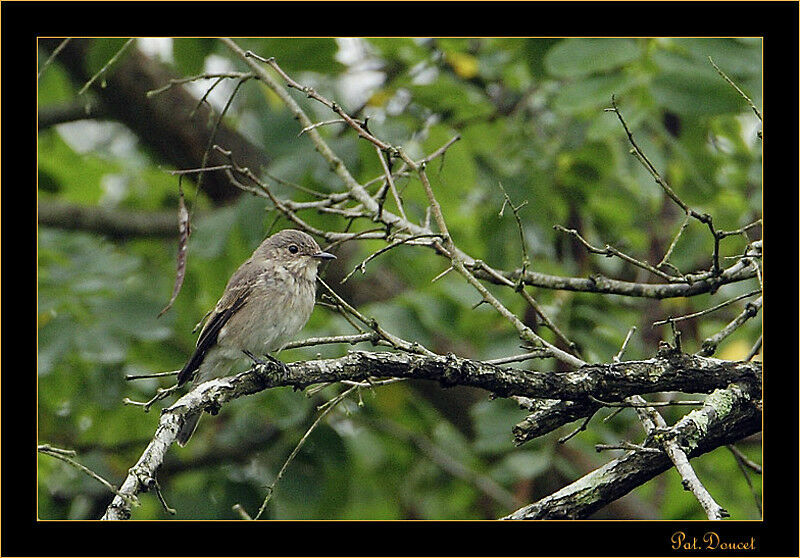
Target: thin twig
{"x": 626, "y": 446}
{"x": 393, "y": 340}
{"x": 736, "y": 87}
{"x": 52, "y": 57}
{"x": 271, "y": 488}
{"x": 105, "y": 67}
{"x": 665, "y": 259}
{"x": 406, "y": 240}
{"x": 755, "y": 350}
{"x": 515, "y": 211}
{"x": 442, "y": 274}
{"x": 478, "y": 265}
{"x": 637, "y": 151}
{"x": 640, "y": 155}
{"x": 199, "y": 170}
{"x": 739, "y": 457}
{"x": 241, "y": 511}
{"x": 215, "y": 128}
{"x": 609, "y": 251}
{"x": 64, "y": 455}
{"x": 324, "y": 123}
{"x": 540, "y": 353}
{"x": 647, "y": 404}
{"x": 390, "y": 185}
{"x": 130, "y": 377}
{"x": 749, "y": 463}
{"x": 618, "y": 356}
{"x": 218, "y": 76}
{"x": 203, "y": 99}
{"x": 349, "y": 339}
{"x": 577, "y": 431}
{"x": 710, "y": 344}
{"x": 161, "y": 393}
{"x": 741, "y": 230}
{"x": 707, "y": 310}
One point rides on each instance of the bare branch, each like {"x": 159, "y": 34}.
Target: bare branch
{"x": 664, "y": 373}
{"x": 736, "y": 87}
{"x": 707, "y": 310}
{"x": 727, "y": 416}
{"x": 105, "y": 67}
{"x": 710, "y": 344}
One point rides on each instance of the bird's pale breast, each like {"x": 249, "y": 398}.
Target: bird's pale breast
{"x": 277, "y": 308}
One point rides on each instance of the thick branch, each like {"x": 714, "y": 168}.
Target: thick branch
{"x": 667, "y": 372}
{"x": 603, "y": 285}
{"x": 162, "y": 121}
{"x": 113, "y": 222}
{"x": 68, "y": 112}
{"x": 550, "y": 414}
{"x": 728, "y": 415}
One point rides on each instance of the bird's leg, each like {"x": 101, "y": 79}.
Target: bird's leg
{"x": 253, "y": 357}
{"x": 279, "y": 363}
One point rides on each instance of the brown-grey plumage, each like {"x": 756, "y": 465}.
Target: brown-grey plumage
{"x": 265, "y": 303}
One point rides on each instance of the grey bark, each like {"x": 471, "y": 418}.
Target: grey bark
{"x": 669, "y": 371}
{"x": 727, "y": 416}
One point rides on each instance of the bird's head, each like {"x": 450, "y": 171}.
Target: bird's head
{"x": 295, "y": 250}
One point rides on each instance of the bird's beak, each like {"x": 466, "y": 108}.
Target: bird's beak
{"x": 323, "y": 256}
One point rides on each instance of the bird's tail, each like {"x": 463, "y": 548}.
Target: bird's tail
{"x": 188, "y": 426}
{"x": 214, "y": 365}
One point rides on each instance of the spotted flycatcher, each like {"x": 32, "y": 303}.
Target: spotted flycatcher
{"x": 266, "y": 302}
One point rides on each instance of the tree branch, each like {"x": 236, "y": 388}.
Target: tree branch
{"x": 666, "y": 372}
{"x": 603, "y": 285}
{"x": 728, "y": 415}
{"x": 116, "y": 223}
{"x": 53, "y": 115}
{"x": 162, "y": 121}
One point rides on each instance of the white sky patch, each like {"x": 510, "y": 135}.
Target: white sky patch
{"x": 363, "y": 75}
{"x": 156, "y": 47}
{"x": 215, "y": 64}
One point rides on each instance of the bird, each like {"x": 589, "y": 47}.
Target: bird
{"x": 266, "y": 302}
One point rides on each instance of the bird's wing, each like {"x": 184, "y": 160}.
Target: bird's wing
{"x": 208, "y": 337}
{"x": 235, "y": 296}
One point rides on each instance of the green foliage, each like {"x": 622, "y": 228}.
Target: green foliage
{"x": 574, "y": 58}
{"x": 190, "y": 56}
{"x": 298, "y": 54}
{"x": 530, "y": 116}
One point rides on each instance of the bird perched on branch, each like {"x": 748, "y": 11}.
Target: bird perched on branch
{"x": 265, "y": 303}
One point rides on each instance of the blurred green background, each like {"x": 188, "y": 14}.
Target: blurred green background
{"x": 530, "y": 116}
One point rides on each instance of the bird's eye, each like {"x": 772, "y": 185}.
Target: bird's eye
{"x": 293, "y": 249}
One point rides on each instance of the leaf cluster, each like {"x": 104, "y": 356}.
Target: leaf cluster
{"x": 530, "y": 116}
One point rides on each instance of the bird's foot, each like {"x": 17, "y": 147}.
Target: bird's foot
{"x": 279, "y": 363}
{"x": 254, "y": 358}
{"x": 213, "y": 408}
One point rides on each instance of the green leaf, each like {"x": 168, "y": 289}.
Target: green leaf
{"x": 535, "y": 51}
{"x": 79, "y": 176}
{"x": 582, "y": 57}
{"x": 190, "y": 54}
{"x": 54, "y": 86}
{"x": 732, "y": 57}
{"x": 591, "y": 93}
{"x": 696, "y": 94}
{"x": 297, "y": 55}
{"x": 102, "y": 51}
